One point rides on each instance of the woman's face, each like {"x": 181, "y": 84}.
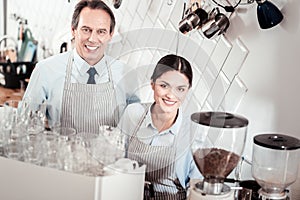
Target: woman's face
{"x": 92, "y": 34}
{"x": 170, "y": 90}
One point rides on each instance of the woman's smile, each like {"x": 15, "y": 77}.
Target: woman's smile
{"x": 169, "y": 102}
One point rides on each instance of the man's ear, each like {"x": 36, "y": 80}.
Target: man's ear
{"x": 73, "y": 32}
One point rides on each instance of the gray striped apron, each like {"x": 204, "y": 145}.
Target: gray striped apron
{"x": 160, "y": 172}
{"x": 86, "y": 107}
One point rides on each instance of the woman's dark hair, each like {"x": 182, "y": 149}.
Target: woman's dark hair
{"x": 173, "y": 63}
{"x": 92, "y": 4}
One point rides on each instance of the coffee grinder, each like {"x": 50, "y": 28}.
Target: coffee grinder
{"x": 275, "y": 163}
{"x": 218, "y": 140}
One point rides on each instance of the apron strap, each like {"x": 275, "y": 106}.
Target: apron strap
{"x": 69, "y": 68}
{"x": 136, "y": 129}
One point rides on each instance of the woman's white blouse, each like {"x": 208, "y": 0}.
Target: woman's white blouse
{"x": 185, "y": 166}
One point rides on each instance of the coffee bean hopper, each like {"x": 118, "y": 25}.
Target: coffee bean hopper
{"x": 217, "y": 144}
{"x": 275, "y": 163}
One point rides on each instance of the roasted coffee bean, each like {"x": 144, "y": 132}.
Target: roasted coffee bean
{"x": 214, "y": 162}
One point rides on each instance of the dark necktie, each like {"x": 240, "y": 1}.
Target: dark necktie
{"x": 92, "y": 71}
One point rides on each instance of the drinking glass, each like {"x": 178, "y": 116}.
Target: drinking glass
{"x": 13, "y": 127}
{"x": 13, "y": 149}
{"x": 32, "y": 148}
{"x": 36, "y": 114}
{"x": 2, "y": 135}
{"x": 67, "y": 133}
{"x": 116, "y": 142}
{"x": 50, "y": 149}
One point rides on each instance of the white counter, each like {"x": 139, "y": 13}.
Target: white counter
{"x": 19, "y": 181}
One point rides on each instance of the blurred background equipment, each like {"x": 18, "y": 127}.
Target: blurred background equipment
{"x": 268, "y": 15}
{"x": 117, "y": 3}
{"x": 17, "y": 56}
{"x": 206, "y": 16}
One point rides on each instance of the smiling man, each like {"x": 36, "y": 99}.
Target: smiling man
{"x": 92, "y": 29}
{"x": 80, "y": 86}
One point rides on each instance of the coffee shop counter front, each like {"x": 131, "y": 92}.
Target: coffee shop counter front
{"x": 20, "y": 180}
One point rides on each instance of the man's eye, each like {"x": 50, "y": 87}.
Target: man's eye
{"x": 102, "y": 32}
{"x": 85, "y": 30}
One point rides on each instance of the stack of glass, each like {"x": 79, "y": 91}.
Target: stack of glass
{"x": 23, "y": 137}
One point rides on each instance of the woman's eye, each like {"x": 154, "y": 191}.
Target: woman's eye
{"x": 181, "y": 89}
{"x": 163, "y": 85}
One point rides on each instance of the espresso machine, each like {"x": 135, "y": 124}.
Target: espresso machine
{"x": 218, "y": 140}
{"x": 275, "y": 163}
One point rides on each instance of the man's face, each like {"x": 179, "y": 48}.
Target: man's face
{"x": 92, "y": 34}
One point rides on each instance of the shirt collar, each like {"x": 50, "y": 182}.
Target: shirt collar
{"x": 83, "y": 66}
{"x": 174, "y": 129}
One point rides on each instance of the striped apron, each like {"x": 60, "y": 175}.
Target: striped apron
{"x": 86, "y": 107}
{"x": 160, "y": 172}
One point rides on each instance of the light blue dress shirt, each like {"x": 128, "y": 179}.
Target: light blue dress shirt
{"x": 48, "y": 77}
{"x": 184, "y": 163}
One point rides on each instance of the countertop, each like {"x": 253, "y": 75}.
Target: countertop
{"x": 9, "y": 94}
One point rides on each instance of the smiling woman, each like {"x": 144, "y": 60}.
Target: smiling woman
{"x": 158, "y": 134}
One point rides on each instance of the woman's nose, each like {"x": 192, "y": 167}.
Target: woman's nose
{"x": 171, "y": 93}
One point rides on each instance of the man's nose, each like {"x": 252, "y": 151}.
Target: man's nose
{"x": 94, "y": 36}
